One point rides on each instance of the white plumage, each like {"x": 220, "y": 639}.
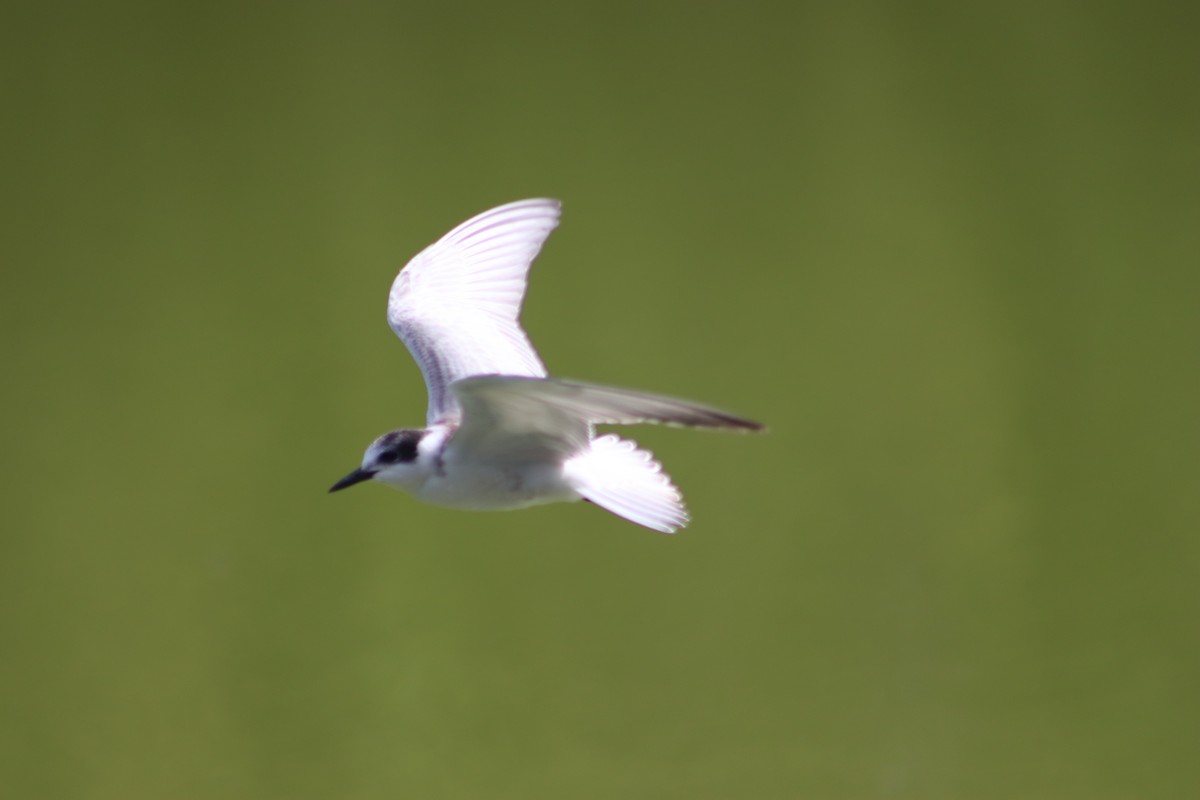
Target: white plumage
{"x": 455, "y": 305}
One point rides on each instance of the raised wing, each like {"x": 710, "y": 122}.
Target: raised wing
{"x": 514, "y": 418}
{"x": 456, "y": 304}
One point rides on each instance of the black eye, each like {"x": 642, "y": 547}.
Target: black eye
{"x": 398, "y": 447}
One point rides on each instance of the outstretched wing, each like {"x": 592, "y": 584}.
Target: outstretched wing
{"x": 517, "y": 418}
{"x": 456, "y": 304}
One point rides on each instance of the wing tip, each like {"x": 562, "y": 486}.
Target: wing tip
{"x": 551, "y": 204}
{"x": 730, "y": 422}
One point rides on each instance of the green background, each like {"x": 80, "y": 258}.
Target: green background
{"x": 948, "y": 252}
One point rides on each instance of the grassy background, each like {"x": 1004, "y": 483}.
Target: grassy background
{"x": 949, "y": 254}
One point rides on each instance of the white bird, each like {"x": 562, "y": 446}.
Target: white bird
{"x": 499, "y": 433}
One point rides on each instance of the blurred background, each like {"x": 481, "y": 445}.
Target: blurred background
{"x": 946, "y": 252}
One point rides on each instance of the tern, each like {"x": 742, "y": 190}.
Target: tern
{"x": 500, "y": 434}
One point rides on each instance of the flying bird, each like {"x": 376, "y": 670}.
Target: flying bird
{"x": 499, "y": 432}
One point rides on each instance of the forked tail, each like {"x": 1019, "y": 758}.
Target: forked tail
{"x": 620, "y": 478}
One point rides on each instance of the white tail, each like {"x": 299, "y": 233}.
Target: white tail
{"x": 617, "y": 476}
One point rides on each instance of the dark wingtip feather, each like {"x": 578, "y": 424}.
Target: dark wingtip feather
{"x": 747, "y": 425}
{"x": 720, "y": 420}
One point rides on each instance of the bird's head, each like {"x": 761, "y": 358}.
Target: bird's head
{"x": 392, "y": 459}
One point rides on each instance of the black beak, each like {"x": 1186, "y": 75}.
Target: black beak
{"x": 358, "y": 476}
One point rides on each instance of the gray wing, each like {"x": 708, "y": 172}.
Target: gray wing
{"x": 505, "y": 415}
{"x": 456, "y": 304}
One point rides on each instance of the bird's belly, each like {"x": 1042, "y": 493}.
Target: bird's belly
{"x": 489, "y": 488}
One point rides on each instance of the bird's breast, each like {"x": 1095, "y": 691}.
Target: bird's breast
{"x": 488, "y": 487}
